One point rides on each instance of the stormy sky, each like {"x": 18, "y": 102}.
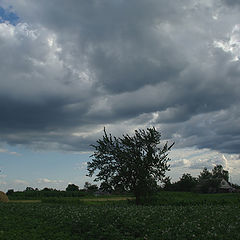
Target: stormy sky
{"x": 69, "y": 68}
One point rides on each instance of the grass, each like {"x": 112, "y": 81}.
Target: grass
{"x": 179, "y": 216}
{"x": 107, "y": 199}
{"x": 73, "y": 200}
{"x": 25, "y": 201}
{"x": 51, "y": 221}
{"x": 86, "y": 201}
{"x": 188, "y": 198}
{"x": 160, "y": 199}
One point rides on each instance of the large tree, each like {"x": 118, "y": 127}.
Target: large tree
{"x": 136, "y": 163}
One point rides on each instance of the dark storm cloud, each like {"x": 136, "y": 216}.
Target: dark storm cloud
{"x": 231, "y": 2}
{"x": 78, "y": 65}
{"x": 120, "y": 40}
{"x": 216, "y": 130}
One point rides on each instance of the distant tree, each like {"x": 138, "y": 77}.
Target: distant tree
{"x": 72, "y": 187}
{"x": 87, "y": 185}
{"x": 187, "y": 183}
{"x": 90, "y": 187}
{"x": 10, "y": 192}
{"x": 204, "y": 175}
{"x": 47, "y": 189}
{"x": 93, "y": 188}
{"x": 219, "y": 172}
{"x": 209, "y": 181}
{"x": 29, "y": 189}
{"x": 135, "y": 162}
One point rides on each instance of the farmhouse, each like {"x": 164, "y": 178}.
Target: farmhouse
{"x": 225, "y": 186}
{"x": 215, "y": 185}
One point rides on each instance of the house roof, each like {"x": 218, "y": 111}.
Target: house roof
{"x": 225, "y": 185}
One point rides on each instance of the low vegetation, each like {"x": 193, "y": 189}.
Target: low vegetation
{"x": 193, "y": 199}
{"x": 36, "y": 194}
{"x": 118, "y": 220}
{"x": 161, "y": 199}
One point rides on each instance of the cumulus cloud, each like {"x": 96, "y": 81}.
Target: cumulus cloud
{"x": 196, "y": 159}
{"x": 3, "y": 182}
{"x": 3, "y": 175}
{"x": 77, "y": 66}
{"x": 3, "y": 150}
{"x": 192, "y": 160}
{"x": 46, "y": 180}
{"x": 81, "y": 166}
{"x": 20, "y": 182}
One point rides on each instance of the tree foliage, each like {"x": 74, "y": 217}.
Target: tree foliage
{"x": 187, "y": 183}
{"x": 90, "y": 187}
{"x": 209, "y": 181}
{"x": 217, "y": 173}
{"x": 204, "y": 175}
{"x": 220, "y": 173}
{"x": 134, "y": 163}
{"x": 72, "y": 187}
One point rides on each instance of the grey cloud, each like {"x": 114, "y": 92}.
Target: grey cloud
{"x": 120, "y": 41}
{"x": 216, "y": 130}
{"x": 208, "y": 163}
{"x": 231, "y": 2}
{"x": 85, "y": 64}
{"x": 179, "y": 163}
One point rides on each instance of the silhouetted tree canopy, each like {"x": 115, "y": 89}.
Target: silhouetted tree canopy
{"x": 72, "y": 187}
{"x": 136, "y": 163}
{"x": 209, "y": 181}
{"x": 90, "y": 187}
{"x": 219, "y": 172}
{"x": 204, "y": 175}
{"x": 187, "y": 182}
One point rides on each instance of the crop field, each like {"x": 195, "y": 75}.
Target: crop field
{"x": 73, "y": 200}
{"x": 188, "y": 198}
{"x": 118, "y": 221}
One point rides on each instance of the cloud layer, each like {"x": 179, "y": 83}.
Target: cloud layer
{"x": 69, "y": 68}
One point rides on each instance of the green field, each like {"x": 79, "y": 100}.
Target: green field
{"x": 216, "y": 217}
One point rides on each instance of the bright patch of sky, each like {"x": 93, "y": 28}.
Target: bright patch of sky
{"x": 7, "y": 15}
{"x": 21, "y": 168}
{"x": 232, "y": 44}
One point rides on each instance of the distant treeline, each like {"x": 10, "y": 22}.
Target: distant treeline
{"x": 206, "y": 182}
{"x": 214, "y": 181}
{"x": 72, "y": 190}
{"x": 43, "y": 194}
